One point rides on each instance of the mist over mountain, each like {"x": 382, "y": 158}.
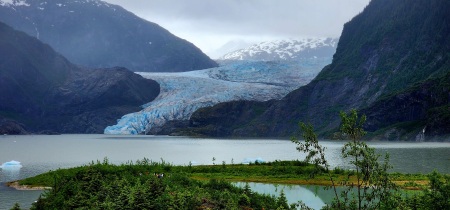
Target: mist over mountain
{"x": 391, "y": 61}
{"x": 93, "y": 33}
{"x": 41, "y": 91}
{"x": 228, "y": 47}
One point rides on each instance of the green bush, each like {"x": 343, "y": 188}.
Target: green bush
{"x": 134, "y": 186}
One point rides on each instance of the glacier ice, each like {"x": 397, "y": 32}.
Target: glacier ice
{"x": 182, "y": 93}
{"x": 14, "y": 3}
{"x": 253, "y": 160}
{"x": 11, "y": 165}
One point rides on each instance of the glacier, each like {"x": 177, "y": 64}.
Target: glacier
{"x": 183, "y": 93}
{"x": 14, "y": 3}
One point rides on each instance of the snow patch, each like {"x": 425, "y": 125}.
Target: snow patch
{"x": 281, "y": 49}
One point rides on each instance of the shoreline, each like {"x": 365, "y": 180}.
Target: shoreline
{"x": 17, "y": 186}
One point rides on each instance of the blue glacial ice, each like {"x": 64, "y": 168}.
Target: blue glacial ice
{"x": 253, "y": 160}
{"x": 183, "y": 93}
{"x": 11, "y": 165}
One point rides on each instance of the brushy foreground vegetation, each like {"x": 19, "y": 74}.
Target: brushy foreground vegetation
{"x": 372, "y": 186}
{"x": 138, "y": 186}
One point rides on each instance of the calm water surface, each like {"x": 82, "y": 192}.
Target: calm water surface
{"x": 41, "y": 153}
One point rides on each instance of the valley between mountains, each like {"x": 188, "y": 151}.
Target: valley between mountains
{"x": 59, "y": 74}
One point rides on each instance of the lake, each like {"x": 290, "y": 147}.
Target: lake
{"x": 41, "y": 153}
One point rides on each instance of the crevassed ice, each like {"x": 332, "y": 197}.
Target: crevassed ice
{"x": 14, "y": 3}
{"x": 183, "y": 93}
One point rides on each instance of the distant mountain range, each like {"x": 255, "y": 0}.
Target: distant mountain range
{"x": 391, "y": 62}
{"x": 93, "y": 33}
{"x": 307, "y": 48}
{"x": 42, "y": 92}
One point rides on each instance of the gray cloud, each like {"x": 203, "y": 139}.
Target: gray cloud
{"x": 212, "y": 23}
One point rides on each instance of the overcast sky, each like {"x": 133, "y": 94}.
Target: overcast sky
{"x": 210, "y": 24}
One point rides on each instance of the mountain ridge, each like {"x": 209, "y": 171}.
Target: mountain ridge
{"x": 97, "y": 34}
{"x": 290, "y": 49}
{"x": 41, "y": 91}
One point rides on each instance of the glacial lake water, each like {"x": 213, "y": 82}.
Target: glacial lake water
{"x": 41, "y": 153}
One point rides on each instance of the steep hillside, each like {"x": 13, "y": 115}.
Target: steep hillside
{"x": 96, "y": 34}
{"x": 307, "y": 48}
{"x": 41, "y": 90}
{"x": 389, "y": 48}
{"x": 423, "y": 107}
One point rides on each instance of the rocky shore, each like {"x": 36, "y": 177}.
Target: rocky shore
{"x": 17, "y": 186}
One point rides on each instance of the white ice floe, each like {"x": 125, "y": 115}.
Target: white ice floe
{"x": 11, "y": 165}
{"x": 253, "y": 160}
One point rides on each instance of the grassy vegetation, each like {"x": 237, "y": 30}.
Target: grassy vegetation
{"x": 137, "y": 185}
{"x": 280, "y": 172}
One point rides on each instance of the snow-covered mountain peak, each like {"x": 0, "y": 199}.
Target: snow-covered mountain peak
{"x": 59, "y": 3}
{"x": 291, "y": 49}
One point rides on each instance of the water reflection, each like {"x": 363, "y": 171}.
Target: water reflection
{"x": 313, "y": 196}
{"x": 10, "y": 196}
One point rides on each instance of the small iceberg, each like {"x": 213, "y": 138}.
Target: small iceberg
{"x": 11, "y": 165}
{"x": 253, "y": 160}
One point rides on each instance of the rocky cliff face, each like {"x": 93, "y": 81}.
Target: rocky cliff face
{"x": 387, "y": 49}
{"x": 11, "y": 127}
{"x": 42, "y": 90}
{"x": 96, "y": 34}
{"x": 422, "y": 108}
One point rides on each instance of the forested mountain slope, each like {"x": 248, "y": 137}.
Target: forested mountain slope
{"x": 41, "y": 90}
{"x": 97, "y": 34}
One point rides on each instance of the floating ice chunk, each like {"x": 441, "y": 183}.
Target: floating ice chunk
{"x": 11, "y": 165}
{"x": 253, "y": 160}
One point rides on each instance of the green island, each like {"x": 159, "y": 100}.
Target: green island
{"x": 105, "y": 185}
{"x": 277, "y": 172}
